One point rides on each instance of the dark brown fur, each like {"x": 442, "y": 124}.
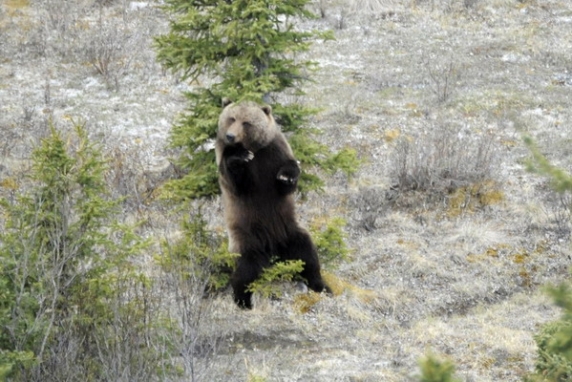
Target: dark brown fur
{"x": 258, "y": 175}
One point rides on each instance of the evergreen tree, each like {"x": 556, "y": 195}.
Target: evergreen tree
{"x": 243, "y": 50}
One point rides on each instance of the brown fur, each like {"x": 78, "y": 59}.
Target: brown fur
{"x": 258, "y": 176}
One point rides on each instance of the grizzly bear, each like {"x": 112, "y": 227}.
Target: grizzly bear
{"x": 258, "y": 175}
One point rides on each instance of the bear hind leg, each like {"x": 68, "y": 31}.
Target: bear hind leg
{"x": 300, "y": 247}
{"x": 246, "y": 272}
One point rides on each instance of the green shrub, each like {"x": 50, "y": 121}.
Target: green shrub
{"x": 200, "y": 255}
{"x": 434, "y": 370}
{"x": 195, "y": 263}
{"x": 265, "y": 285}
{"x": 72, "y": 304}
{"x": 554, "y": 341}
{"x": 330, "y": 242}
{"x": 561, "y": 181}
{"x": 554, "y": 363}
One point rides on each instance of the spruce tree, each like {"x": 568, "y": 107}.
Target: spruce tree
{"x": 242, "y": 50}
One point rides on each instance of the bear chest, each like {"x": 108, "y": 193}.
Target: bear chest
{"x": 262, "y": 173}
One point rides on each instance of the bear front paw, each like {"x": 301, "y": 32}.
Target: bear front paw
{"x": 286, "y": 179}
{"x": 249, "y": 156}
{"x": 240, "y": 159}
{"x": 288, "y": 176}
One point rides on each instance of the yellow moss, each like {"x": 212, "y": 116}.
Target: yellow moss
{"x": 304, "y": 302}
{"x": 489, "y": 254}
{"x": 391, "y": 135}
{"x": 476, "y": 258}
{"x": 508, "y": 142}
{"x": 472, "y": 258}
{"x": 83, "y": 25}
{"x": 339, "y": 286}
{"x": 473, "y": 197}
{"x": 488, "y": 362}
{"x": 492, "y": 197}
{"x": 457, "y": 202}
{"x": 493, "y": 252}
{"x": 366, "y": 296}
{"x": 520, "y": 258}
{"x": 17, "y": 4}
{"x": 515, "y": 359}
{"x": 541, "y": 247}
{"x": 409, "y": 244}
{"x": 526, "y": 277}
{"x": 9, "y": 183}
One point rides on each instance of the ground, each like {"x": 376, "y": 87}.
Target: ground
{"x": 458, "y": 274}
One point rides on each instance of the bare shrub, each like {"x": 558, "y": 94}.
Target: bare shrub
{"x": 127, "y": 175}
{"x": 193, "y": 338}
{"x": 470, "y": 3}
{"x": 322, "y": 8}
{"x": 560, "y": 195}
{"x": 340, "y": 21}
{"x": 370, "y": 6}
{"x": 58, "y": 23}
{"x": 57, "y": 30}
{"x": 111, "y": 45}
{"x": 559, "y": 210}
{"x": 105, "y": 49}
{"x": 443, "y": 79}
{"x": 106, "y": 35}
{"x": 190, "y": 267}
{"x": 443, "y": 159}
{"x": 342, "y": 13}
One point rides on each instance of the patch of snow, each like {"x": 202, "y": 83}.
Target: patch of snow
{"x": 563, "y": 19}
{"x": 136, "y": 5}
{"x": 515, "y": 58}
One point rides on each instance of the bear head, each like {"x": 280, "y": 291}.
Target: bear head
{"x": 246, "y": 123}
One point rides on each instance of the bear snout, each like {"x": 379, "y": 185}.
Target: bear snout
{"x": 230, "y": 137}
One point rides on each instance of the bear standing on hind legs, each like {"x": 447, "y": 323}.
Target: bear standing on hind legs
{"x": 258, "y": 175}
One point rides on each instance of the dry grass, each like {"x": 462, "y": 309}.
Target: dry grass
{"x": 434, "y": 95}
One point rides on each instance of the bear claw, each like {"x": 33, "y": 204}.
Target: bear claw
{"x": 285, "y": 179}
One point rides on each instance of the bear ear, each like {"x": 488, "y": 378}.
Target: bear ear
{"x": 226, "y": 102}
{"x": 267, "y": 109}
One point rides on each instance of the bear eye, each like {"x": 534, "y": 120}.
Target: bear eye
{"x": 246, "y": 125}
{"x": 231, "y": 120}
